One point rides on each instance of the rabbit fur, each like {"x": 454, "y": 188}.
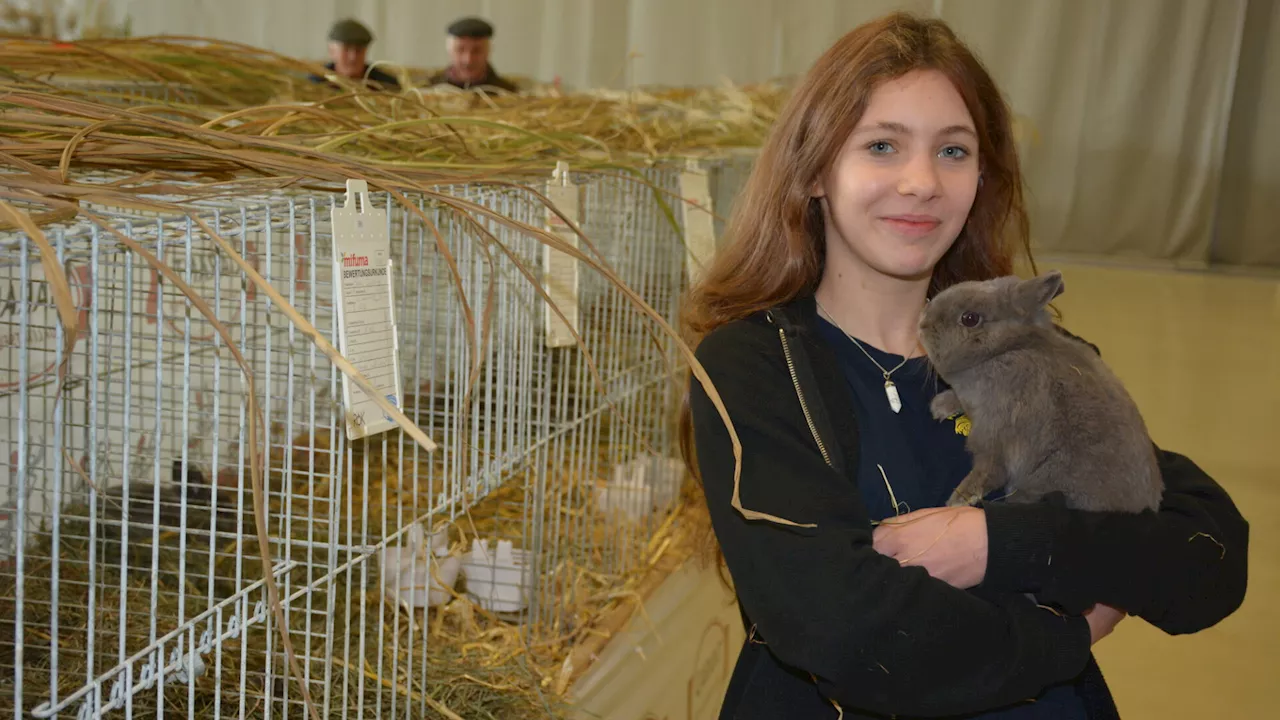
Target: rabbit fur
{"x": 1047, "y": 415}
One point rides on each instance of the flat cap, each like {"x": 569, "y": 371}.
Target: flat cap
{"x": 350, "y": 32}
{"x": 471, "y": 27}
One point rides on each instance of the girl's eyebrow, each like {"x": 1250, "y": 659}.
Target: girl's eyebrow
{"x": 890, "y": 126}
{"x": 903, "y": 130}
{"x": 959, "y": 130}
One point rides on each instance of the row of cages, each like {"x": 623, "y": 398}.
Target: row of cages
{"x": 131, "y": 570}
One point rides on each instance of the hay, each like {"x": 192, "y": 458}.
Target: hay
{"x": 209, "y": 72}
{"x": 440, "y": 138}
{"x": 250, "y": 91}
{"x": 477, "y": 664}
{"x": 196, "y": 70}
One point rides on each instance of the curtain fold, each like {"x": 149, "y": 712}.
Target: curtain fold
{"x": 1248, "y": 227}
{"x": 1130, "y": 101}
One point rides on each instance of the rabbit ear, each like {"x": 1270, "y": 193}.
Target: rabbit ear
{"x": 1032, "y": 295}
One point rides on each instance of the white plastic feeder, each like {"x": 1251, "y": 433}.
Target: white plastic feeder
{"x": 407, "y": 574}
{"x": 641, "y": 485}
{"x": 499, "y": 581}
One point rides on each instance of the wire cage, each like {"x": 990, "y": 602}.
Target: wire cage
{"x": 128, "y": 92}
{"x": 130, "y": 573}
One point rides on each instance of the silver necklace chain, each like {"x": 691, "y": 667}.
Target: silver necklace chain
{"x": 890, "y": 390}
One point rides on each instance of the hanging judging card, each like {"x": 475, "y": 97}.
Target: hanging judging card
{"x": 366, "y": 317}
{"x": 699, "y": 223}
{"x": 560, "y": 277}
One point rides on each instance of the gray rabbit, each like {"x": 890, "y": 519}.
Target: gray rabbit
{"x": 1046, "y": 413}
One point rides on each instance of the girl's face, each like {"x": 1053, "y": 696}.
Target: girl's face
{"x": 900, "y": 190}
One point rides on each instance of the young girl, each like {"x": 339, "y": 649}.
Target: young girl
{"x": 892, "y": 174}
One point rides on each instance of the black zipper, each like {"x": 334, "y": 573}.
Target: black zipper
{"x": 795, "y": 382}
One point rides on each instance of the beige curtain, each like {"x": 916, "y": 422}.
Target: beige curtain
{"x": 1248, "y": 227}
{"x": 1131, "y": 101}
{"x": 1153, "y": 119}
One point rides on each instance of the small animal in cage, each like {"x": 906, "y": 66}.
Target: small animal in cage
{"x": 189, "y": 502}
{"x": 1048, "y": 416}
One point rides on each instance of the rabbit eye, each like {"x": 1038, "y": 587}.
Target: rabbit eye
{"x": 970, "y": 319}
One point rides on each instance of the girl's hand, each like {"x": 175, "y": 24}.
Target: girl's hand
{"x": 950, "y": 543}
{"x": 1102, "y": 620}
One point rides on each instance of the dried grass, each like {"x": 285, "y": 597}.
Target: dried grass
{"x": 421, "y": 136}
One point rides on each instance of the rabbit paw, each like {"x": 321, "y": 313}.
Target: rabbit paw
{"x": 962, "y": 499}
{"x": 945, "y": 404}
{"x": 971, "y": 490}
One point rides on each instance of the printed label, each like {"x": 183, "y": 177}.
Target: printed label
{"x": 366, "y": 319}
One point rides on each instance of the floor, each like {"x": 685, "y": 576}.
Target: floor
{"x": 1200, "y": 352}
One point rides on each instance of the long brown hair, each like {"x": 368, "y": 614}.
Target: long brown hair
{"x": 775, "y": 247}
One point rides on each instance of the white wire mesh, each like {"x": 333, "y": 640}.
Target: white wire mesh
{"x": 128, "y": 92}
{"x": 154, "y": 596}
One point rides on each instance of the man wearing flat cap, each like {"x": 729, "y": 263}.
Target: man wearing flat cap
{"x": 469, "y": 66}
{"x": 349, "y": 42}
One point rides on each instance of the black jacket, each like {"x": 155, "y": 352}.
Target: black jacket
{"x": 375, "y": 79}
{"x": 491, "y": 79}
{"x": 830, "y": 619}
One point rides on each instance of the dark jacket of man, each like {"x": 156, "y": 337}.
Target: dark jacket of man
{"x": 376, "y": 79}
{"x": 491, "y": 79}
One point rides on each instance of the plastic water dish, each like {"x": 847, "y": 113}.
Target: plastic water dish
{"x": 641, "y": 486}
{"x": 407, "y": 574}
{"x": 499, "y": 581}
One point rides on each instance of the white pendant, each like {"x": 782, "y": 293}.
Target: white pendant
{"x": 891, "y": 391}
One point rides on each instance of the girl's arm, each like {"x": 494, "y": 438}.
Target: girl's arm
{"x": 875, "y": 635}
{"x": 1182, "y": 568}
